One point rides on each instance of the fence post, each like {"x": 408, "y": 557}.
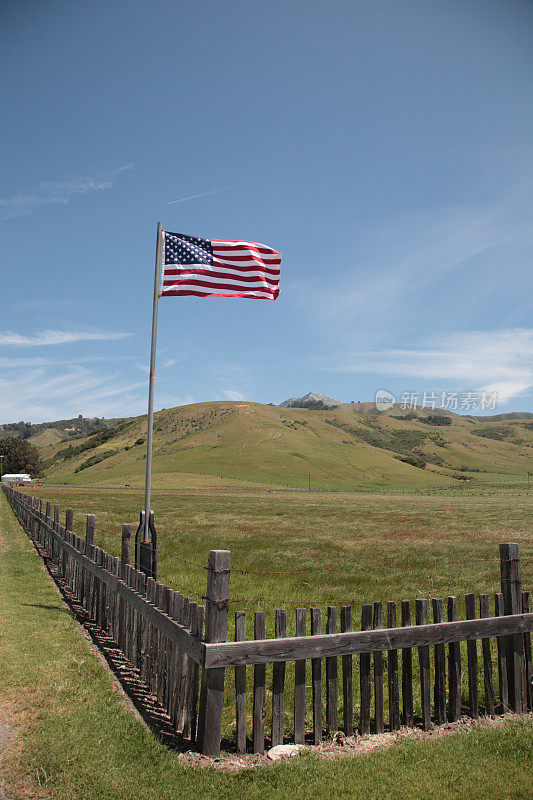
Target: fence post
{"x": 54, "y": 546}
{"x": 47, "y": 542}
{"x": 40, "y": 523}
{"x": 216, "y": 630}
{"x": 125, "y": 553}
{"x": 89, "y": 535}
{"x": 511, "y": 584}
{"x": 69, "y": 520}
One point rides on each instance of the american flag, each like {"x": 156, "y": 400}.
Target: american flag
{"x": 219, "y": 268}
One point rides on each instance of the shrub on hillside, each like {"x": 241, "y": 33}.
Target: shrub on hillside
{"x": 499, "y": 433}
{"x": 436, "y": 419}
{"x": 96, "y": 459}
{"x": 415, "y": 461}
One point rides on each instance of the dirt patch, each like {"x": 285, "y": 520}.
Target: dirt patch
{"x": 348, "y": 746}
{"x": 6, "y": 735}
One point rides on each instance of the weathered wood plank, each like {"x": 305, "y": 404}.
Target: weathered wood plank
{"x": 177, "y": 654}
{"x": 439, "y": 690}
{"x": 511, "y": 586}
{"x": 332, "y": 686}
{"x": 357, "y": 642}
{"x": 421, "y": 614}
{"x": 484, "y": 611}
{"x": 407, "y": 671}
{"x": 364, "y": 672}
{"x": 527, "y": 654}
{"x": 240, "y": 686}
{"x": 454, "y": 668}
{"x": 377, "y": 623}
{"x": 501, "y": 642}
{"x": 316, "y": 677}
{"x": 186, "y": 608}
{"x": 259, "y": 702}
{"x": 167, "y": 645}
{"x": 197, "y": 632}
{"x": 125, "y": 552}
{"x": 299, "y": 683}
{"x": 392, "y": 673}
{"x": 471, "y": 649}
{"x": 278, "y": 683}
{"x": 347, "y": 675}
{"x": 216, "y": 630}
{"x": 191, "y": 678}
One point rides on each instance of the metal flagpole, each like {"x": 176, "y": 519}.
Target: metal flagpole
{"x": 151, "y": 385}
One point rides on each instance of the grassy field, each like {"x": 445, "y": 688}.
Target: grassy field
{"x": 298, "y": 549}
{"x": 77, "y": 741}
{"x": 367, "y": 547}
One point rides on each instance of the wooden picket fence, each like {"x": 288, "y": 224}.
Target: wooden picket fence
{"x": 183, "y": 658}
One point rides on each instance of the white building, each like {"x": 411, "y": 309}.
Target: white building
{"x": 16, "y": 480}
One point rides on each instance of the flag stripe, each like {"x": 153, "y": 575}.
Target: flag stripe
{"x": 249, "y": 258}
{"x": 176, "y": 269}
{"x": 201, "y": 285}
{"x": 198, "y": 287}
{"x": 250, "y": 265}
{"x": 216, "y": 284}
{"x": 231, "y": 244}
{"x": 266, "y": 258}
{"x": 251, "y": 295}
{"x": 220, "y": 276}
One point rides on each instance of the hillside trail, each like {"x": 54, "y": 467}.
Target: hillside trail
{"x": 247, "y": 411}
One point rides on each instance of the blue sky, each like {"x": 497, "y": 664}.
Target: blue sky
{"x": 385, "y": 148}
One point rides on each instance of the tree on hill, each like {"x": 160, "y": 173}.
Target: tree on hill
{"x": 436, "y": 419}
{"x": 20, "y": 456}
{"x": 312, "y": 405}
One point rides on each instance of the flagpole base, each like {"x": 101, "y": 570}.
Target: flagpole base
{"x": 146, "y": 552}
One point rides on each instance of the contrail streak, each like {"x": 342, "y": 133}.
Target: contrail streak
{"x": 204, "y": 194}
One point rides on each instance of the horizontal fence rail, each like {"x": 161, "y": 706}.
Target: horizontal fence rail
{"x": 385, "y": 668}
{"x": 268, "y": 651}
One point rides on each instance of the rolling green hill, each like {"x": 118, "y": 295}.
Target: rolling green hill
{"x": 45, "y": 433}
{"x": 221, "y": 443}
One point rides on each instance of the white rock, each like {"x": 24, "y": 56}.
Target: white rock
{"x": 283, "y": 751}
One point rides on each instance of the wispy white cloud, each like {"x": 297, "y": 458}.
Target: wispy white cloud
{"x": 233, "y": 394}
{"x": 51, "y": 337}
{"x": 492, "y": 361}
{"x": 234, "y": 380}
{"x": 57, "y": 192}
{"x": 37, "y": 395}
{"x": 55, "y": 363}
{"x": 400, "y": 268}
{"x": 18, "y": 363}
